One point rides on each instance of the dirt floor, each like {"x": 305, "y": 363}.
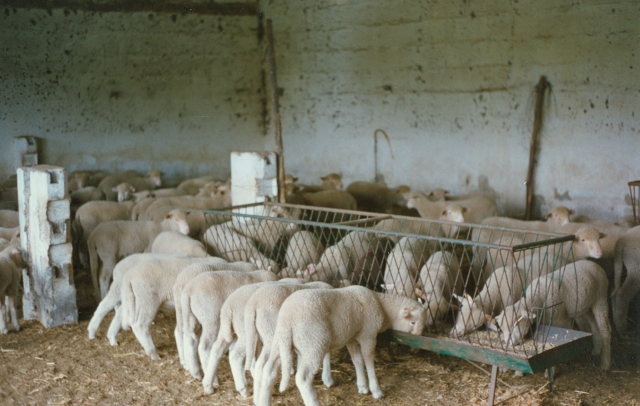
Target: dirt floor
{"x": 61, "y": 366}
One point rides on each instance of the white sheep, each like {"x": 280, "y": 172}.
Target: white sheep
{"x": 173, "y": 242}
{"x": 404, "y": 264}
{"x": 201, "y": 301}
{"x": 223, "y": 241}
{"x": 438, "y": 281}
{"x": 260, "y": 318}
{"x": 375, "y": 197}
{"x": 9, "y": 233}
{"x": 267, "y": 233}
{"x": 330, "y": 198}
{"x": 474, "y": 209}
{"x": 479, "y": 205}
{"x": 89, "y": 216}
{"x": 332, "y": 181}
{"x": 114, "y": 240}
{"x": 154, "y": 263}
{"x": 9, "y": 218}
{"x": 610, "y": 234}
{"x": 192, "y": 186}
{"x": 217, "y": 198}
{"x": 86, "y": 194}
{"x": 556, "y": 218}
{"x": 579, "y": 292}
{"x": 11, "y": 265}
{"x": 150, "y": 181}
{"x": 185, "y": 277}
{"x": 124, "y": 191}
{"x": 317, "y": 321}
{"x": 626, "y": 256}
{"x": 231, "y": 336}
{"x": 304, "y": 248}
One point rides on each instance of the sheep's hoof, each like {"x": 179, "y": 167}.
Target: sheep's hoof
{"x": 196, "y": 375}
{"x": 154, "y": 356}
{"x": 518, "y": 373}
{"x": 363, "y": 390}
{"x": 113, "y": 342}
{"x": 4, "y": 331}
{"x": 244, "y": 393}
{"x": 377, "y": 394}
{"x": 328, "y": 382}
{"x": 92, "y": 335}
{"x": 208, "y": 389}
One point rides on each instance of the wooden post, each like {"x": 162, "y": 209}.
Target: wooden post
{"x": 275, "y": 112}
{"x": 541, "y": 89}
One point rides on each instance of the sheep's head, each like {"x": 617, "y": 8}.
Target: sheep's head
{"x": 514, "y": 323}
{"x": 469, "y": 318}
{"x": 559, "y": 216}
{"x": 586, "y": 243}
{"x": 332, "y": 181}
{"x": 438, "y": 195}
{"x": 177, "y": 219}
{"x": 125, "y": 191}
{"x": 410, "y": 319}
{"x": 156, "y": 176}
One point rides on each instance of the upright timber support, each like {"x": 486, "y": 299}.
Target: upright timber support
{"x": 49, "y": 292}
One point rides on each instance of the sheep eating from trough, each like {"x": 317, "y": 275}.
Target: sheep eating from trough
{"x": 317, "y": 321}
{"x": 11, "y": 265}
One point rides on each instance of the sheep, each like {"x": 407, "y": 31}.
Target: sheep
{"x": 201, "y": 301}
{"x": 404, "y": 264}
{"x": 626, "y": 256}
{"x": 151, "y": 180}
{"x": 11, "y": 265}
{"x": 556, "y": 218}
{"x": 192, "y": 186}
{"x": 611, "y": 233}
{"x": 303, "y": 248}
{"x": 581, "y": 295}
{"x": 423, "y": 227}
{"x": 124, "y": 191}
{"x": 231, "y": 333}
{"x": 474, "y": 209}
{"x": 266, "y": 233}
{"x": 331, "y": 199}
{"x": 222, "y": 241}
{"x": 154, "y": 263}
{"x": 89, "y": 216}
{"x": 169, "y": 192}
{"x": 315, "y": 322}
{"x": 216, "y": 198}
{"x": 9, "y": 218}
{"x": 185, "y": 277}
{"x": 332, "y": 181}
{"x": 438, "y": 281}
{"x": 375, "y": 197}
{"x": 114, "y": 240}
{"x": 145, "y": 291}
{"x": 86, "y": 194}
{"x": 369, "y": 268}
{"x": 260, "y": 318}
{"x": 172, "y": 242}
{"x": 9, "y": 233}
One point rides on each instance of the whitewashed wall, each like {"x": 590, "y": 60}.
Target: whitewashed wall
{"x": 132, "y": 90}
{"x": 451, "y": 82}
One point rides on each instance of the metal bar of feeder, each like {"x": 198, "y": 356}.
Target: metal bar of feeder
{"x": 362, "y": 221}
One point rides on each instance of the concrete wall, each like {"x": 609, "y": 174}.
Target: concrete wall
{"x": 131, "y": 90}
{"x": 451, "y": 83}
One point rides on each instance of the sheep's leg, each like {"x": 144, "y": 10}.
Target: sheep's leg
{"x": 622, "y": 300}
{"x": 368, "y": 349}
{"x": 10, "y": 303}
{"x": 105, "y": 275}
{"x": 142, "y": 325}
{"x": 601, "y": 315}
{"x": 105, "y": 306}
{"x": 177, "y": 333}
{"x": 190, "y": 349}
{"x": 115, "y": 326}
{"x": 304, "y": 378}
{"x": 3, "y": 323}
{"x": 237, "y": 354}
{"x": 217, "y": 351}
{"x": 358, "y": 363}
{"x": 326, "y": 370}
{"x": 269, "y": 375}
{"x": 257, "y": 372}
{"x": 207, "y": 337}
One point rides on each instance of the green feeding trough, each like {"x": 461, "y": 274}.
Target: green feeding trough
{"x": 446, "y": 265}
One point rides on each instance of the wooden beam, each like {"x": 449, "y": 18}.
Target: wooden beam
{"x": 127, "y": 6}
{"x": 541, "y": 89}
{"x": 275, "y": 110}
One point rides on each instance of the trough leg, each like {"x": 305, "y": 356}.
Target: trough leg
{"x": 550, "y": 372}
{"x": 492, "y": 385}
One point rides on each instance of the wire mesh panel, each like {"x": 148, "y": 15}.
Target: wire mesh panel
{"x": 465, "y": 275}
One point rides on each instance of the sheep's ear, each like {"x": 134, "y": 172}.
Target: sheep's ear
{"x": 311, "y": 269}
{"x": 270, "y": 268}
{"x": 323, "y": 178}
{"x": 571, "y": 212}
{"x": 420, "y": 293}
{"x": 602, "y": 235}
{"x": 406, "y": 312}
{"x": 168, "y": 216}
{"x": 188, "y": 212}
{"x": 468, "y": 297}
{"x": 492, "y": 325}
{"x": 465, "y": 210}
{"x": 444, "y": 212}
{"x": 548, "y": 216}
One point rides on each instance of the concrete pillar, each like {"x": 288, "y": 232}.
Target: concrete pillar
{"x": 45, "y": 236}
{"x": 254, "y": 177}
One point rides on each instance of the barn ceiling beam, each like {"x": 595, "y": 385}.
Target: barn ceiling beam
{"x": 154, "y": 6}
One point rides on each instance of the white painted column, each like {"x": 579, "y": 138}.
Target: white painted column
{"x": 254, "y": 177}
{"x": 49, "y": 291}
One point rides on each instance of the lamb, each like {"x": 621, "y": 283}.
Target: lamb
{"x": 332, "y": 181}
{"x": 452, "y": 213}
{"x": 155, "y": 263}
{"x": 331, "y": 199}
{"x": 260, "y": 318}
{"x": 86, "y": 194}
{"x": 9, "y": 233}
{"x": 11, "y": 265}
{"x": 9, "y": 218}
{"x": 475, "y": 209}
{"x": 145, "y": 290}
{"x": 556, "y": 218}
{"x": 151, "y": 180}
{"x": 216, "y": 198}
{"x": 303, "y": 248}
{"x": 626, "y": 256}
{"x": 192, "y": 186}
{"x": 89, "y": 216}
{"x": 185, "y": 277}
{"x": 610, "y": 234}
{"x": 231, "y": 333}
{"x": 124, "y": 191}
{"x": 375, "y": 197}
{"x": 173, "y": 242}
{"x": 266, "y": 233}
{"x": 581, "y": 295}
{"x": 201, "y": 301}
{"x": 315, "y": 322}
{"x": 369, "y": 269}
{"x": 438, "y": 281}
{"x": 222, "y": 241}
{"x": 404, "y": 264}
{"x": 114, "y": 240}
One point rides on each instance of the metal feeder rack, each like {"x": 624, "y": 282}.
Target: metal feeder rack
{"x": 634, "y": 193}
{"x": 266, "y": 232}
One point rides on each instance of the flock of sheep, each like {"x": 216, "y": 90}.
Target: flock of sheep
{"x": 262, "y": 288}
